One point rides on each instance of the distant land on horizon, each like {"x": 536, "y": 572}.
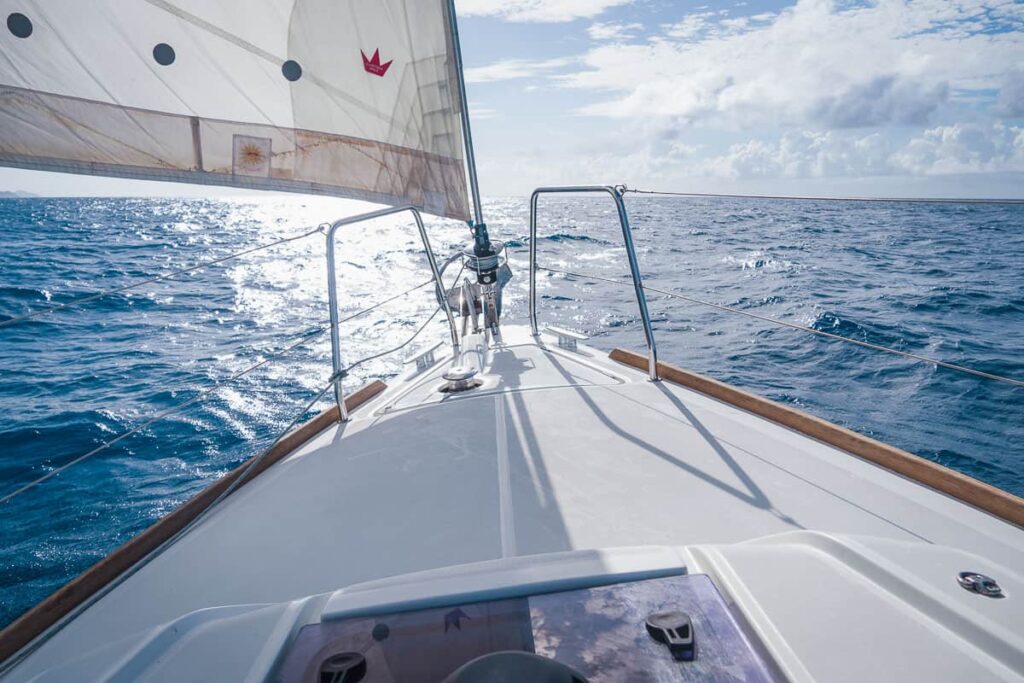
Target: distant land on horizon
{"x": 16, "y": 194}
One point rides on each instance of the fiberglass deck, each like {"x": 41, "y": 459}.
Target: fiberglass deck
{"x": 557, "y": 451}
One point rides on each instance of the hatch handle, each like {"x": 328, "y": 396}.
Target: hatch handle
{"x": 675, "y": 630}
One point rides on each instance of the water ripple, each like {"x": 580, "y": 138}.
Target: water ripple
{"x": 942, "y": 280}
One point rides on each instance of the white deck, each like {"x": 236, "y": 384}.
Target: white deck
{"x": 561, "y": 451}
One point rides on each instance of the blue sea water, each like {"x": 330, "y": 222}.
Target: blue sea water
{"x": 943, "y": 280}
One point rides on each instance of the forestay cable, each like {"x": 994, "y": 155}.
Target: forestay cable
{"x": 802, "y": 328}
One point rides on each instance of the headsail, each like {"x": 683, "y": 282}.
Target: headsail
{"x": 342, "y": 97}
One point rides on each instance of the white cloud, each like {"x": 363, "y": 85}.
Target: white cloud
{"x": 707, "y": 24}
{"x": 613, "y": 31}
{"x": 882, "y": 100}
{"x": 805, "y": 154}
{"x": 813, "y": 64}
{"x": 964, "y": 148}
{"x": 1011, "y": 95}
{"x": 537, "y": 10}
{"x": 851, "y": 97}
{"x": 691, "y": 26}
{"x": 511, "y": 69}
{"x": 962, "y": 159}
{"x": 961, "y": 148}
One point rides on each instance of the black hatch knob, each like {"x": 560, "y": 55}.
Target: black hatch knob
{"x": 675, "y": 630}
{"x": 344, "y": 667}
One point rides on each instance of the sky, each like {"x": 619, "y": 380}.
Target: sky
{"x": 919, "y": 98}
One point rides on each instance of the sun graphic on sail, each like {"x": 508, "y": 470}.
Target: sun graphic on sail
{"x": 252, "y": 156}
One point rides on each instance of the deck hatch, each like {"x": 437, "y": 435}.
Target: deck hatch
{"x": 601, "y": 632}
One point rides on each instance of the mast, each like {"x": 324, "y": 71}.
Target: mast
{"x": 481, "y": 240}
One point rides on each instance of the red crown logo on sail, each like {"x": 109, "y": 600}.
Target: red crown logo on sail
{"x": 373, "y": 65}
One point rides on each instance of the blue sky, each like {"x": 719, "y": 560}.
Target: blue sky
{"x": 922, "y": 98}
{"x": 889, "y": 98}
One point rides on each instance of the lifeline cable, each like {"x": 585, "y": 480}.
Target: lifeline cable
{"x": 209, "y": 390}
{"x": 55, "y": 627}
{"x": 159, "y": 416}
{"x": 802, "y": 328}
{"x": 899, "y": 200}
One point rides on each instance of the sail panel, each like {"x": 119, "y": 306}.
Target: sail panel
{"x": 339, "y": 97}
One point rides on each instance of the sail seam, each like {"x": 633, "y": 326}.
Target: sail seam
{"x": 367, "y": 142}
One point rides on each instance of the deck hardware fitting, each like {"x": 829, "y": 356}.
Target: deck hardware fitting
{"x": 425, "y": 358}
{"x": 567, "y": 339}
{"x": 459, "y": 378}
{"x": 675, "y": 630}
{"x": 980, "y": 584}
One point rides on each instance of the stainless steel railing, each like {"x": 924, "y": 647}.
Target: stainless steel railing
{"x": 634, "y": 267}
{"x": 332, "y": 292}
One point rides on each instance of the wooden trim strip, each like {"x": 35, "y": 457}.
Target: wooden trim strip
{"x": 992, "y": 500}
{"x": 31, "y": 624}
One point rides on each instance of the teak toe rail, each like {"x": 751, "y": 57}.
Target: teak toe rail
{"x": 47, "y": 613}
{"x": 983, "y": 496}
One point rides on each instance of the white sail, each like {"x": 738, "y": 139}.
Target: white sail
{"x": 343, "y": 97}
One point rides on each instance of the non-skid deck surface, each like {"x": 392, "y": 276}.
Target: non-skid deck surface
{"x": 564, "y": 453}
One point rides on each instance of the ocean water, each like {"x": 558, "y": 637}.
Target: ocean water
{"x": 944, "y": 280}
